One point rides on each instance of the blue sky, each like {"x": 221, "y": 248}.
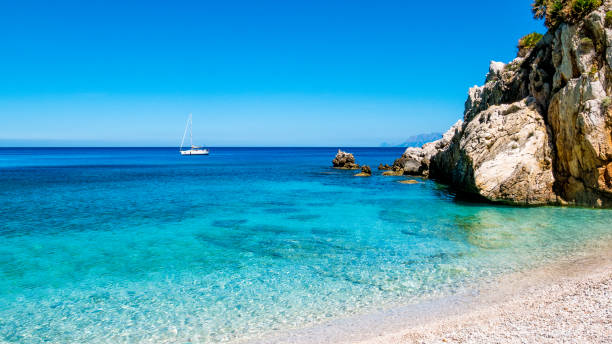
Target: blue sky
{"x": 253, "y": 73}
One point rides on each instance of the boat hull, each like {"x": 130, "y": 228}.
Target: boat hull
{"x": 195, "y": 152}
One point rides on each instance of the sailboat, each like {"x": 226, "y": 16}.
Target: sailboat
{"x": 194, "y": 150}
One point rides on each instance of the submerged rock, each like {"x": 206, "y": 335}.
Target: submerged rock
{"x": 344, "y": 160}
{"x": 393, "y": 173}
{"x": 409, "y": 181}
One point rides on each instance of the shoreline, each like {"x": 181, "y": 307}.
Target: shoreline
{"x": 558, "y": 303}
{"x": 569, "y": 300}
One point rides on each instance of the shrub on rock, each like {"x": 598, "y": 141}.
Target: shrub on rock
{"x": 555, "y": 12}
{"x": 527, "y": 42}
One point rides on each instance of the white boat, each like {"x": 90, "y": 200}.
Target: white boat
{"x": 194, "y": 150}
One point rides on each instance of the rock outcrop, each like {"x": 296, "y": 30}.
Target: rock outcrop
{"x": 415, "y": 160}
{"x": 503, "y": 154}
{"x": 539, "y": 131}
{"x": 345, "y": 161}
{"x": 366, "y": 171}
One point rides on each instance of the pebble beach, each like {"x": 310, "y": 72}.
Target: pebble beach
{"x": 568, "y": 303}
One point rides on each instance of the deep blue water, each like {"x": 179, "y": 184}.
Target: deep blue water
{"x": 144, "y": 245}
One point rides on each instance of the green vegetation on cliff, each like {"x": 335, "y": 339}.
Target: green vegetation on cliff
{"x": 609, "y": 19}
{"x": 528, "y": 41}
{"x": 555, "y": 12}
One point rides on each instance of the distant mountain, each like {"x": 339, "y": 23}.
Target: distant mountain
{"x": 416, "y": 140}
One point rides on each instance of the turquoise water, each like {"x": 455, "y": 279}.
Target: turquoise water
{"x": 143, "y": 245}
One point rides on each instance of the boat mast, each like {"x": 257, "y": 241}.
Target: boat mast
{"x": 185, "y": 133}
{"x": 190, "y": 130}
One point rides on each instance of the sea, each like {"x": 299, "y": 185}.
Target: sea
{"x": 143, "y": 245}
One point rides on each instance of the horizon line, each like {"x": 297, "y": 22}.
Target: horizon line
{"x": 173, "y": 147}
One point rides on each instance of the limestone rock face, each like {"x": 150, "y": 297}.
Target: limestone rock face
{"x": 503, "y": 154}
{"x": 344, "y": 160}
{"x": 583, "y": 126}
{"x": 539, "y": 131}
{"x": 579, "y": 113}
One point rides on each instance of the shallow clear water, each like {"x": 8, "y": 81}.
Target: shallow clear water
{"x": 143, "y": 245}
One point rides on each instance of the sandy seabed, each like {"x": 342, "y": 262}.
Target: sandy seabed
{"x": 566, "y": 302}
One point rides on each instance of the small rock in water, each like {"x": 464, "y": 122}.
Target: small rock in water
{"x": 344, "y": 160}
{"x": 366, "y": 171}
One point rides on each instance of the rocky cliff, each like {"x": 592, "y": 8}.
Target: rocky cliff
{"x": 539, "y": 130}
